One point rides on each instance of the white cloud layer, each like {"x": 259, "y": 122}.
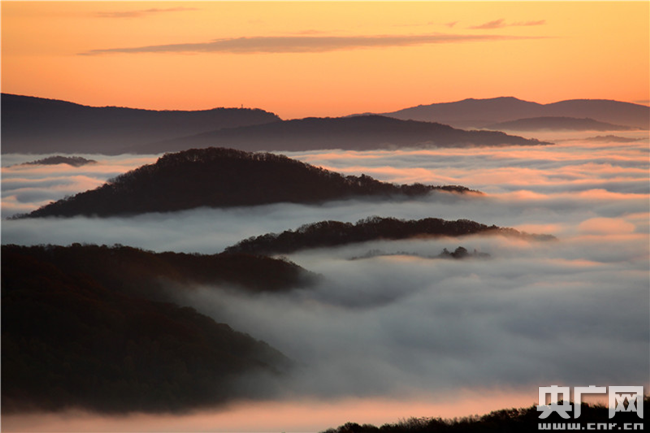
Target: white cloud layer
{"x": 569, "y": 312}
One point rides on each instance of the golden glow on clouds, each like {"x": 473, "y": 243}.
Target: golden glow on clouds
{"x": 319, "y": 58}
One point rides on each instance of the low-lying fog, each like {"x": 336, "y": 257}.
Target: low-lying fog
{"x": 405, "y": 327}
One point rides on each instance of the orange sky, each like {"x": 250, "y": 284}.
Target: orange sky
{"x": 302, "y": 59}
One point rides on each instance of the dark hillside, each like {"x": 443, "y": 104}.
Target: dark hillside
{"x": 336, "y": 233}
{"x": 145, "y": 273}
{"x": 217, "y": 177}
{"x": 68, "y": 341}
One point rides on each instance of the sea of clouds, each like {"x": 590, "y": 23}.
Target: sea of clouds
{"x": 407, "y": 327}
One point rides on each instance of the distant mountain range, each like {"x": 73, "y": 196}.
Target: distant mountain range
{"x": 478, "y": 113}
{"x": 217, "y": 177}
{"x": 37, "y": 125}
{"x": 71, "y": 338}
{"x": 556, "y": 124}
{"x": 335, "y": 233}
{"x": 348, "y": 133}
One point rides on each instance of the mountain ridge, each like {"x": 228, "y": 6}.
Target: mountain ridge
{"x": 556, "y": 124}
{"x": 324, "y": 234}
{"x": 347, "y": 133}
{"x": 38, "y": 125}
{"x": 477, "y": 113}
{"x": 219, "y": 177}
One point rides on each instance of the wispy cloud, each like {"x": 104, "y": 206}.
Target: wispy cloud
{"x": 500, "y": 23}
{"x": 303, "y": 44}
{"x": 140, "y": 13}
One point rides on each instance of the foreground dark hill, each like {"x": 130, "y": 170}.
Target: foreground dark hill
{"x": 336, "y": 233}
{"x": 69, "y": 341}
{"x": 523, "y": 420}
{"x": 556, "y": 123}
{"x": 156, "y": 275}
{"x": 37, "y": 125}
{"x": 347, "y": 133}
{"x": 218, "y": 177}
{"x": 478, "y": 113}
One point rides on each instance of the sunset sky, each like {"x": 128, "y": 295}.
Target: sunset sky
{"x": 302, "y": 59}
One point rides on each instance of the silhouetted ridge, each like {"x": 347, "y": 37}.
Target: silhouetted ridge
{"x": 523, "y": 420}
{"x": 37, "y": 125}
{"x": 348, "y": 133}
{"x": 145, "y": 273}
{"x": 75, "y": 161}
{"x": 557, "y": 123}
{"x": 218, "y": 177}
{"x": 478, "y": 113}
{"x": 612, "y": 139}
{"x": 336, "y": 233}
{"x": 69, "y": 341}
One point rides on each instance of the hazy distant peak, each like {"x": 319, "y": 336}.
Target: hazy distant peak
{"x": 39, "y": 125}
{"x": 557, "y": 124}
{"x": 479, "y": 113}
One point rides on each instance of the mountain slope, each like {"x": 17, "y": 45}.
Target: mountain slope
{"x": 218, "y": 177}
{"x": 349, "y": 133}
{"x": 478, "y": 113}
{"x": 335, "y": 233}
{"x": 68, "y": 341}
{"x": 37, "y": 125}
{"x": 556, "y": 123}
{"x": 144, "y": 273}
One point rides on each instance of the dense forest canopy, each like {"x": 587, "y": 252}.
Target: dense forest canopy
{"x": 335, "y": 233}
{"x": 145, "y": 273}
{"x": 71, "y": 341}
{"x": 218, "y": 177}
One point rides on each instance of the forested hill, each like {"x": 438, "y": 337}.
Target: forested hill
{"x": 336, "y": 233}
{"x": 144, "y": 273}
{"x": 70, "y": 341}
{"x": 218, "y": 177}
{"x": 348, "y": 133}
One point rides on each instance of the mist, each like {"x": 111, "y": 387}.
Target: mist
{"x": 552, "y": 189}
{"x": 405, "y": 326}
